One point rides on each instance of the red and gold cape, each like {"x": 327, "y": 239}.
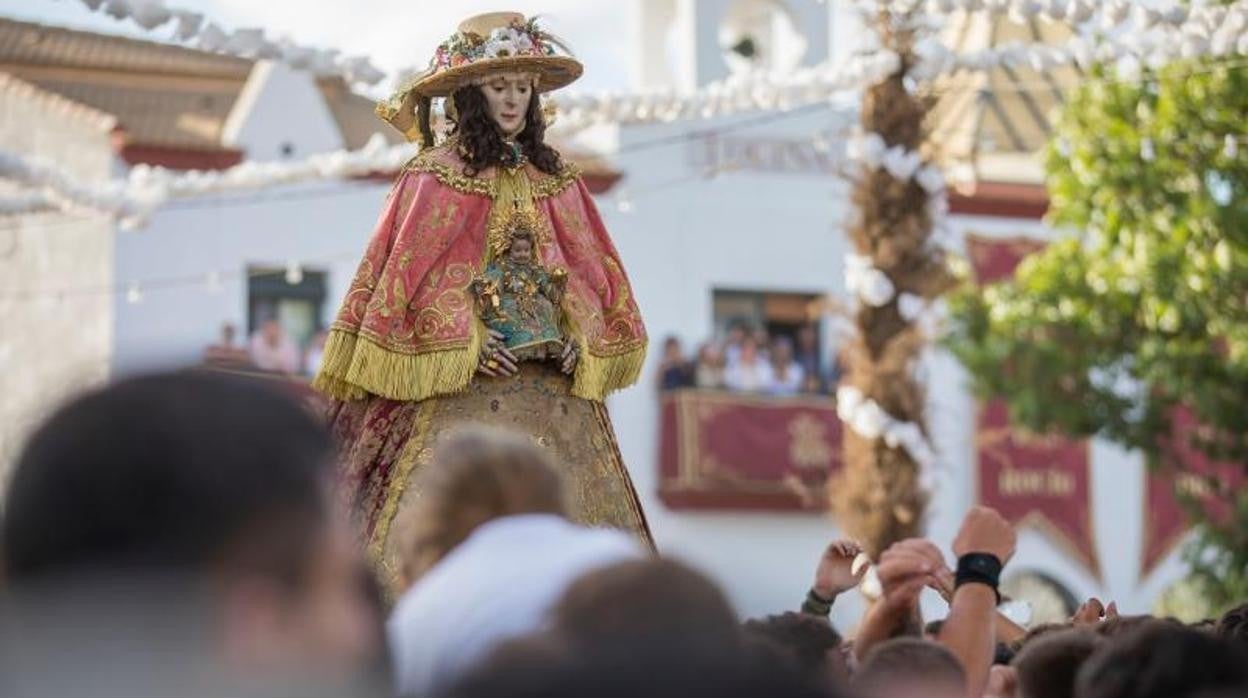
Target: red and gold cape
{"x": 408, "y": 330}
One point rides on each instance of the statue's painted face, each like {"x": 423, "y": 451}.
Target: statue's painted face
{"x": 508, "y": 95}
{"x": 521, "y": 251}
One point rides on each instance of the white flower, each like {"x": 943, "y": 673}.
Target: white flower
{"x": 501, "y": 49}
{"x": 866, "y": 282}
{"x": 867, "y": 148}
{"x": 931, "y": 179}
{"x": 901, "y": 162}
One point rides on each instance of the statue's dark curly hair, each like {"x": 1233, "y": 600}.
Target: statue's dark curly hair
{"x": 481, "y": 143}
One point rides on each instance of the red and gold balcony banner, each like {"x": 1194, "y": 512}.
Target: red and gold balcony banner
{"x": 1188, "y": 472}
{"x": 730, "y": 451}
{"x": 1038, "y": 481}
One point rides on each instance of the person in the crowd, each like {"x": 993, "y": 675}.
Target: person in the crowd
{"x": 750, "y": 373}
{"x": 762, "y": 340}
{"x": 1163, "y": 659}
{"x": 910, "y": 668}
{"x": 738, "y": 330}
{"x": 811, "y": 642}
{"x": 225, "y": 352}
{"x": 271, "y": 349}
{"x": 177, "y": 531}
{"x": 657, "y": 668}
{"x": 1233, "y": 625}
{"x": 1047, "y": 667}
{"x": 638, "y": 601}
{"x": 315, "y": 353}
{"x": 834, "y": 575}
{"x": 709, "y": 372}
{"x": 488, "y": 552}
{"x": 675, "y": 371}
{"x": 786, "y": 374}
{"x": 806, "y": 352}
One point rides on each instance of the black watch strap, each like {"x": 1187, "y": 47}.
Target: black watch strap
{"x": 979, "y": 568}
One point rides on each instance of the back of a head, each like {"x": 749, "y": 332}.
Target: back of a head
{"x": 1047, "y": 667}
{"x": 633, "y": 601}
{"x": 908, "y": 666}
{"x": 1233, "y": 626}
{"x": 809, "y": 640}
{"x": 477, "y": 474}
{"x": 1162, "y": 659}
{"x": 547, "y": 667}
{"x": 166, "y": 475}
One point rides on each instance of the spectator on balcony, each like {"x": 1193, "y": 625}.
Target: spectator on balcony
{"x": 273, "y": 350}
{"x": 807, "y": 351}
{"x": 786, "y": 374}
{"x": 762, "y": 340}
{"x": 709, "y": 373}
{"x": 675, "y": 371}
{"x": 737, "y": 333}
{"x": 750, "y": 372}
{"x": 225, "y": 352}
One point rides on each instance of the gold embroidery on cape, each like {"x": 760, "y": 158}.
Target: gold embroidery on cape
{"x": 433, "y": 161}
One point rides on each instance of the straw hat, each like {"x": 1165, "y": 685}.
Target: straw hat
{"x": 485, "y": 44}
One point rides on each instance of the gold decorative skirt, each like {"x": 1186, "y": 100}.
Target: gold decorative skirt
{"x": 385, "y": 443}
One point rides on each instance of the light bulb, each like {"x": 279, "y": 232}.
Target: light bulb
{"x": 294, "y": 273}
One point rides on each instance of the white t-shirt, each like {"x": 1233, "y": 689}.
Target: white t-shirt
{"x": 497, "y": 585}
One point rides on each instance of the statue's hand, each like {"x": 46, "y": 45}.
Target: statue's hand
{"x": 568, "y": 358}
{"x": 496, "y": 359}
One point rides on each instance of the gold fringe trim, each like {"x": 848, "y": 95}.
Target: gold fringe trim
{"x": 355, "y": 365}
{"x": 598, "y": 376}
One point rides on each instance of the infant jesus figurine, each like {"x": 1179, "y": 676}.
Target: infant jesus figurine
{"x": 519, "y": 302}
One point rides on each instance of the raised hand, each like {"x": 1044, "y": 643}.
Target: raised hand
{"x": 496, "y": 359}
{"x": 1092, "y": 612}
{"x": 835, "y": 572}
{"x": 904, "y": 569}
{"x": 985, "y": 531}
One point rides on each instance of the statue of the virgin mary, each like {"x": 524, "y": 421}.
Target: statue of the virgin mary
{"x": 484, "y": 222}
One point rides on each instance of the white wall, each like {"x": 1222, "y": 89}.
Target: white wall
{"x": 325, "y": 226}
{"x": 51, "y": 345}
{"x": 769, "y": 231}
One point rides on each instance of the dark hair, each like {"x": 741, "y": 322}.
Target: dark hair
{"x": 639, "y": 600}
{"x": 481, "y": 143}
{"x": 1048, "y": 667}
{"x": 1233, "y": 625}
{"x": 168, "y": 475}
{"x": 908, "y": 659}
{"x": 805, "y": 638}
{"x": 477, "y": 474}
{"x": 660, "y": 667}
{"x": 1162, "y": 660}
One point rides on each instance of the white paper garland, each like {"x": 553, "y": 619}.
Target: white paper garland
{"x": 870, "y": 421}
{"x": 246, "y": 43}
{"x": 133, "y": 200}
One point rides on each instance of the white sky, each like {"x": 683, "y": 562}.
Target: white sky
{"x": 394, "y": 33}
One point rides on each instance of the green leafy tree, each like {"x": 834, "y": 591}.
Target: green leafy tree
{"x": 1144, "y": 308}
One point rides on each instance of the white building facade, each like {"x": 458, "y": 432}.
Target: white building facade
{"x": 748, "y": 203}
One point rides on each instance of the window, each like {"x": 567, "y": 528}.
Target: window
{"x": 780, "y": 314}
{"x": 298, "y": 307}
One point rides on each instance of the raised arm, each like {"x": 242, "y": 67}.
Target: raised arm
{"x": 983, "y": 546}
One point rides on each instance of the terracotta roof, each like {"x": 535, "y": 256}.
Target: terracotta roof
{"x": 1005, "y": 114}
{"x": 101, "y": 120}
{"x": 171, "y": 102}
{"x": 163, "y": 96}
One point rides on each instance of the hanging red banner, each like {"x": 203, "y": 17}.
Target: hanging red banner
{"x": 1043, "y": 482}
{"x": 1187, "y": 471}
{"x": 720, "y": 450}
